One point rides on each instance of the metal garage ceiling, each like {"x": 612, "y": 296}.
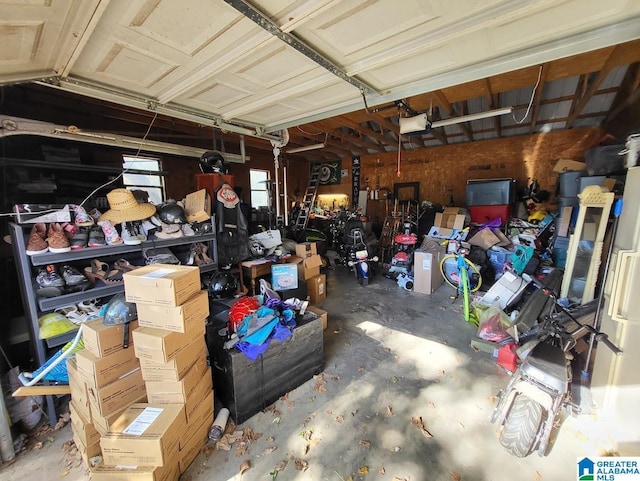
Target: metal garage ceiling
{"x": 256, "y": 67}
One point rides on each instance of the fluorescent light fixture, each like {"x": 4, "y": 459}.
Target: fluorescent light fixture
{"x": 471, "y": 117}
{"x": 295, "y": 150}
{"x": 420, "y": 123}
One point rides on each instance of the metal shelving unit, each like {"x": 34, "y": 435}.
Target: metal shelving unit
{"x": 35, "y": 306}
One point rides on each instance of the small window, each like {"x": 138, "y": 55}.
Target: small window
{"x": 152, "y": 183}
{"x": 259, "y": 191}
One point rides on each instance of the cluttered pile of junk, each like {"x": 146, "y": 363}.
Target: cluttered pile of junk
{"x": 510, "y": 254}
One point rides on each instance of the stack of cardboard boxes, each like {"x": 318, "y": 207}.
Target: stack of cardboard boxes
{"x": 104, "y": 380}
{"x": 146, "y": 409}
{"x": 309, "y": 270}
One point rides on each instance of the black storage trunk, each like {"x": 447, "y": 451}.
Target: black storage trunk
{"x": 247, "y": 387}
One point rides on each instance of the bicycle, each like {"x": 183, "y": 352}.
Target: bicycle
{"x": 465, "y": 279}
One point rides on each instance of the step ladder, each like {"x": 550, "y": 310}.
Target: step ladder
{"x": 308, "y": 200}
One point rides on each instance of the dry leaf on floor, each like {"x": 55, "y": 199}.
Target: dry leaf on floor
{"x": 270, "y": 439}
{"x": 417, "y": 421}
{"x": 320, "y": 388}
{"x": 223, "y": 445}
{"x": 340, "y": 418}
{"x": 364, "y": 444}
{"x": 307, "y": 434}
{"x": 68, "y": 445}
{"x": 64, "y": 473}
{"x": 432, "y": 405}
{"x": 389, "y": 411}
{"x": 538, "y": 476}
{"x": 281, "y": 465}
{"x": 363, "y": 470}
{"x": 319, "y": 377}
{"x": 38, "y": 445}
{"x": 404, "y": 478}
{"x": 246, "y": 465}
{"x": 350, "y": 478}
{"x": 329, "y": 412}
{"x": 361, "y": 369}
{"x": 301, "y": 464}
{"x": 442, "y": 373}
{"x": 382, "y": 472}
{"x": 376, "y": 352}
{"x": 394, "y": 379}
{"x": 290, "y": 404}
{"x": 353, "y": 413}
{"x": 387, "y": 349}
{"x": 305, "y": 449}
{"x": 268, "y": 450}
{"x": 337, "y": 377}
{"x": 455, "y": 476}
{"x": 314, "y": 442}
{"x": 284, "y": 397}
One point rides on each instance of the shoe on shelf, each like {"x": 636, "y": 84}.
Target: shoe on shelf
{"x": 82, "y": 219}
{"x": 58, "y": 242}
{"x": 73, "y": 278}
{"x": 187, "y": 230}
{"x": 110, "y": 233}
{"x": 95, "y": 215}
{"x": 131, "y": 233}
{"x": 37, "y": 243}
{"x": 50, "y": 284}
{"x": 96, "y": 237}
{"x": 80, "y": 239}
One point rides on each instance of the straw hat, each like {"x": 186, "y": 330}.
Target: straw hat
{"x": 125, "y": 207}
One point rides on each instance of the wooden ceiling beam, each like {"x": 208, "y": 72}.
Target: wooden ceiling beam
{"x": 612, "y": 61}
{"x": 334, "y": 129}
{"x": 493, "y": 101}
{"x": 363, "y": 131}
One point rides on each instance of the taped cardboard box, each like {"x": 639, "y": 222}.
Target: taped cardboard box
{"x": 144, "y": 435}
{"x": 197, "y": 442}
{"x": 200, "y": 416}
{"x": 176, "y": 368}
{"x": 308, "y": 267}
{"x": 100, "y": 371}
{"x": 194, "y": 405}
{"x": 306, "y": 249}
{"x": 87, "y": 452}
{"x": 82, "y": 427}
{"x": 317, "y": 288}
{"x": 161, "y": 346}
{"x": 426, "y": 269}
{"x": 167, "y": 392}
{"x": 114, "y": 396}
{"x": 78, "y": 388}
{"x": 162, "y": 284}
{"x": 103, "y": 340}
{"x": 135, "y": 473}
{"x": 183, "y": 318}
{"x": 448, "y": 223}
{"x": 103, "y": 424}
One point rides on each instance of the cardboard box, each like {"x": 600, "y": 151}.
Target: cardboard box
{"x": 144, "y": 435}
{"x": 198, "y": 206}
{"x": 484, "y": 238}
{"x": 181, "y": 319}
{"x": 317, "y": 288}
{"x": 162, "y": 284}
{"x": 100, "y": 371}
{"x": 103, "y": 424}
{"x": 103, "y": 340}
{"x": 446, "y": 224}
{"x": 426, "y": 269}
{"x": 567, "y": 165}
{"x": 306, "y": 249}
{"x": 113, "y": 397}
{"x": 321, "y": 314}
{"x": 193, "y": 406}
{"x": 78, "y": 387}
{"x": 87, "y": 452}
{"x": 136, "y": 473}
{"x": 176, "y": 368}
{"x": 82, "y": 427}
{"x": 196, "y": 435}
{"x": 167, "y": 392}
{"x": 284, "y": 276}
{"x": 308, "y": 267}
{"x": 161, "y": 346}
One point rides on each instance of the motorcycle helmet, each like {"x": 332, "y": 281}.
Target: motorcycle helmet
{"x": 119, "y": 311}
{"x": 172, "y": 213}
{"x": 212, "y": 162}
{"x": 222, "y": 285}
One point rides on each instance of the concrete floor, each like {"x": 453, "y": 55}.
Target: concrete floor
{"x": 390, "y": 356}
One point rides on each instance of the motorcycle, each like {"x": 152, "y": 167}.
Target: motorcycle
{"x": 358, "y": 256}
{"x": 541, "y": 386}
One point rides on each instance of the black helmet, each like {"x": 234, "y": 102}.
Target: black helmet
{"x": 172, "y": 213}
{"x": 119, "y": 311}
{"x": 222, "y": 285}
{"x": 212, "y": 162}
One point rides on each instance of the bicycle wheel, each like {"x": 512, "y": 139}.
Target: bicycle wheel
{"x": 465, "y": 293}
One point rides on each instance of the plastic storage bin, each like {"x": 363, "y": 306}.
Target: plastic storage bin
{"x": 591, "y": 180}
{"x": 491, "y": 192}
{"x": 568, "y": 184}
{"x": 483, "y": 214}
